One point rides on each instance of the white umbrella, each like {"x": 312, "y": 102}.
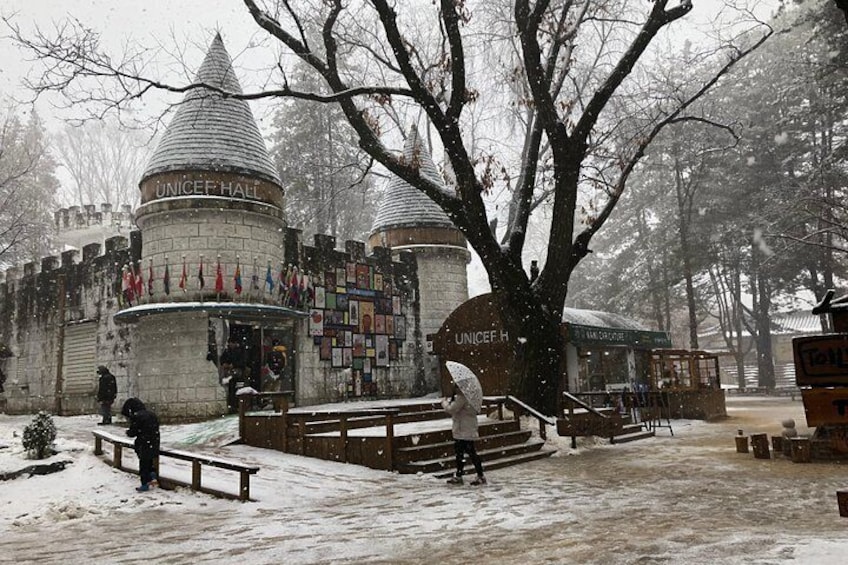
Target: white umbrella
{"x": 467, "y": 382}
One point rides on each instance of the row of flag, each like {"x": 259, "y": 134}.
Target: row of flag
{"x": 293, "y": 288}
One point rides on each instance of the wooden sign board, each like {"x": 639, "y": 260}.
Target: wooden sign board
{"x": 821, "y": 360}
{"x": 826, "y": 406}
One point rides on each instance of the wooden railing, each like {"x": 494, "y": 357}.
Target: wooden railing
{"x": 519, "y": 407}
{"x": 197, "y": 461}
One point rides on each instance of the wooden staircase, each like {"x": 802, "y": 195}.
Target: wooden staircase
{"x": 501, "y": 444}
{"x": 582, "y": 419}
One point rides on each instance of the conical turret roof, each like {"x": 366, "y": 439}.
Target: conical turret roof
{"x": 210, "y": 132}
{"x": 403, "y": 205}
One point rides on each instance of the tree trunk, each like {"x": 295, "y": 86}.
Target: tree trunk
{"x": 765, "y": 360}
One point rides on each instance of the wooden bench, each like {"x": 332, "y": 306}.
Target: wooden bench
{"x": 197, "y": 461}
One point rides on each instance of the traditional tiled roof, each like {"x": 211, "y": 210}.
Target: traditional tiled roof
{"x": 404, "y": 205}
{"x": 600, "y": 319}
{"x": 788, "y": 323}
{"x": 210, "y": 132}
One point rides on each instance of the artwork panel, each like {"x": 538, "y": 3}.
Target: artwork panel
{"x": 341, "y": 278}
{"x": 337, "y": 357}
{"x": 379, "y": 324}
{"x": 342, "y": 302}
{"x": 378, "y": 282}
{"x": 330, "y": 280}
{"x": 363, "y": 276}
{"x": 350, "y": 272}
{"x": 319, "y": 297}
{"x": 390, "y": 325}
{"x": 366, "y": 317}
{"x": 382, "y": 350}
{"x": 347, "y": 356}
{"x": 326, "y": 350}
{"x": 330, "y": 301}
{"x": 316, "y": 322}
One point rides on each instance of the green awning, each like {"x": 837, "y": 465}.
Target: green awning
{"x": 578, "y": 334}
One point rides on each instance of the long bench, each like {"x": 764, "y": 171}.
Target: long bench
{"x": 197, "y": 461}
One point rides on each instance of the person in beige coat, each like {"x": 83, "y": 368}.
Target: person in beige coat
{"x": 465, "y": 431}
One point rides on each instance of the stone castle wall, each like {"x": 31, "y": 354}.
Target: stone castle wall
{"x": 46, "y": 308}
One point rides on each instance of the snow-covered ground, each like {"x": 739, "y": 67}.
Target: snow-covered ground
{"x": 687, "y": 499}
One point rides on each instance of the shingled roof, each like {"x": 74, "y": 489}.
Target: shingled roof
{"x": 210, "y": 132}
{"x": 404, "y": 205}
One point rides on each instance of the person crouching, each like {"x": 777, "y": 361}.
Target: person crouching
{"x": 465, "y": 431}
{"x": 144, "y": 427}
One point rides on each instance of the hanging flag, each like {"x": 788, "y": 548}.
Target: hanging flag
{"x": 269, "y": 280}
{"x": 184, "y": 276}
{"x": 254, "y": 279}
{"x": 200, "y": 281}
{"x": 282, "y": 287}
{"x": 293, "y": 282}
{"x": 219, "y": 278}
{"x": 237, "y": 277}
{"x": 310, "y": 293}
{"x": 166, "y": 279}
{"x": 127, "y": 284}
{"x": 150, "y": 278}
{"x": 301, "y": 291}
{"x": 139, "y": 281}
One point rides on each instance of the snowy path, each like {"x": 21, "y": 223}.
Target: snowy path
{"x": 684, "y": 499}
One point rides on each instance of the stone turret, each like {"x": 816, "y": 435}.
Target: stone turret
{"x": 407, "y": 220}
{"x": 210, "y": 189}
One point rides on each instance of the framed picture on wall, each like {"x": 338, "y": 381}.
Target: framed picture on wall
{"x": 341, "y": 278}
{"x": 400, "y": 327}
{"x": 366, "y": 317}
{"x": 325, "y": 352}
{"x": 319, "y": 297}
{"x": 358, "y": 345}
{"x": 390, "y": 325}
{"x": 382, "y": 350}
{"x": 337, "y": 357}
{"x": 378, "y": 282}
{"x": 353, "y": 313}
{"x": 350, "y": 272}
{"x": 347, "y": 356}
{"x": 363, "y": 276}
{"x": 316, "y": 322}
{"x": 330, "y": 280}
{"x": 379, "y": 324}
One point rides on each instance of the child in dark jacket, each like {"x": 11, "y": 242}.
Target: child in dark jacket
{"x": 144, "y": 427}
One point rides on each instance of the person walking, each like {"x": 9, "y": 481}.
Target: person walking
{"x": 144, "y": 427}
{"x": 465, "y": 431}
{"x": 107, "y": 391}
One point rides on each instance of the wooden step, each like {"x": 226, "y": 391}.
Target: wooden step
{"x": 500, "y": 463}
{"x": 627, "y": 437}
{"x": 443, "y": 449}
{"x": 486, "y": 428}
{"x": 486, "y": 455}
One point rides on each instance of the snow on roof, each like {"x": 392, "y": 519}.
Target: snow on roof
{"x": 787, "y": 323}
{"x": 210, "y": 132}
{"x": 600, "y": 319}
{"x": 403, "y": 205}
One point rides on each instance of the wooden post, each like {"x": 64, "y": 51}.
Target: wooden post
{"x": 842, "y": 500}
{"x": 117, "y": 455}
{"x": 244, "y": 486}
{"x": 801, "y": 450}
{"x": 195, "y": 475}
{"x": 343, "y": 437}
{"x": 761, "y": 447}
{"x": 777, "y": 444}
{"x": 741, "y": 442}
{"x": 301, "y": 432}
{"x": 242, "y": 411}
{"x": 98, "y": 445}
{"x": 390, "y": 440}
{"x": 543, "y": 433}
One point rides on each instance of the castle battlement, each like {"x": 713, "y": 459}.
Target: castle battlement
{"x": 83, "y": 217}
{"x": 91, "y": 255}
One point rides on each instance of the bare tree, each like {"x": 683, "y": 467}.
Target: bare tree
{"x": 103, "y": 160}
{"x": 27, "y": 188}
{"x": 574, "y": 59}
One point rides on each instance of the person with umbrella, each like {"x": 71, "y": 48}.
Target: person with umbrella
{"x": 463, "y": 406}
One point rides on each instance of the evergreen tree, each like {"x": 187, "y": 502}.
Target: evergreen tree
{"x": 39, "y": 435}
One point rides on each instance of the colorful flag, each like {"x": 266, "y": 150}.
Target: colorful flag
{"x": 150, "y": 278}
{"x": 200, "y": 280}
{"x": 127, "y": 284}
{"x": 219, "y": 278}
{"x": 293, "y": 282}
{"x": 166, "y": 278}
{"x": 237, "y": 277}
{"x": 139, "y": 281}
{"x": 269, "y": 280}
{"x": 282, "y": 287}
{"x": 184, "y": 276}
{"x": 301, "y": 291}
{"x": 254, "y": 279}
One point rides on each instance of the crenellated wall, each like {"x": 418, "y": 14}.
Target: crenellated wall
{"x": 57, "y": 320}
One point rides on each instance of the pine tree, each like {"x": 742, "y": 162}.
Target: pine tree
{"x": 39, "y": 435}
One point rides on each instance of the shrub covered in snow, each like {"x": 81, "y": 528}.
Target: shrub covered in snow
{"x": 39, "y": 435}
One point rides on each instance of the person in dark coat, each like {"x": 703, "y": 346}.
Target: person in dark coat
{"x": 144, "y": 427}
{"x": 107, "y": 391}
